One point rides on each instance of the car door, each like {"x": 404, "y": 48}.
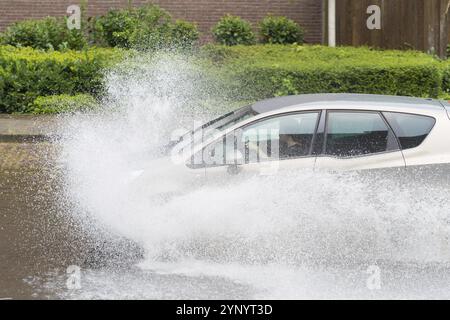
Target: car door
{"x": 264, "y": 147}
{"x": 358, "y": 140}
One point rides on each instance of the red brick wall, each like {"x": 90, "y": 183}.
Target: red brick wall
{"x": 204, "y": 12}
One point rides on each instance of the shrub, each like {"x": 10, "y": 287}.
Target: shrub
{"x": 184, "y": 34}
{"x": 264, "y": 71}
{"x": 2, "y": 88}
{"x": 48, "y": 33}
{"x": 118, "y": 27}
{"x": 146, "y": 27}
{"x": 28, "y": 73}
{"x": 180, "y": 35}
{"x": 63, "y": 104}
{"x": 280, "y": 30}
{"x": 446, "y": 77}
{"x": 232, "y": 31}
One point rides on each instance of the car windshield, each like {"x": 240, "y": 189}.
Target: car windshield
{"x": 220, "y": 124}
{"x": 228, "y": 120}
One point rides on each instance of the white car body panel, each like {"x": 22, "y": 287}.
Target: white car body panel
{"x": 446, "y": 105}
{"x": 220, "y": 173}
{"x": 376, "y": 161}
{"x": 434, "y": 150}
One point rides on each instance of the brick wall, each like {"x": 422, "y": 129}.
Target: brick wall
{"x": 204, "y": 12}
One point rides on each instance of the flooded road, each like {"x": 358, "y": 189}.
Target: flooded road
{"x": 33, "y": 238}
{"x": 40, "y": 239}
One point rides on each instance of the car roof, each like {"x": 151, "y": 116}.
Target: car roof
{"x": 308, "y": 99}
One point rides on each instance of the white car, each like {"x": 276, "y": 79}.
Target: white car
{"x": 317, "y": 131}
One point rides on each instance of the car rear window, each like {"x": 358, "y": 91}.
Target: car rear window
{"x": 352, "y": 134}
{"x": 410, "y": 129}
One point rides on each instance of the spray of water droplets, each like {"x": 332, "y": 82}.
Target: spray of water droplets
{"x": 294, "y": 219}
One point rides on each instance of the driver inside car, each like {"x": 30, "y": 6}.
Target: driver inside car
{"x": 288, "y": 140}
{"x": 291, "y": 144}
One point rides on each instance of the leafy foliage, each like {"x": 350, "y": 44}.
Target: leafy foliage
{"x": 49, "y": 33}
{"x": 248, "y": 73}
{"x": 63, "y": 104}
{"x": 184, "y": 34}
{"x": 27, "y": 73}
{"x": 280, "y": 30}
{"x": 264, "y": 71}
{"x": 231, "y": 30}
{"x": 147, "y": 27}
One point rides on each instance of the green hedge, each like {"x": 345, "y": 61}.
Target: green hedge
{"x": 244, "y": 73}
{"x": 269, "y": 70}
{"x": 63, "y": 104}
{"x": 26, "y": 73}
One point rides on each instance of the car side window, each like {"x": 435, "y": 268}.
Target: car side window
{"x": 278, "y": 138}
{"x": 351, "y": 134}
{"x": 283, "y": 137}
{"x": 410, "y": 129}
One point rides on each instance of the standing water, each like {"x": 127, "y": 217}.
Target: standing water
{"x": 293, "y": 235}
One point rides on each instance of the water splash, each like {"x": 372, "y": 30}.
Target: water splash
{"x": 295, "y": 220}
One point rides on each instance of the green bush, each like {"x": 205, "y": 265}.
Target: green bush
{"x": 184, "y": 34}
{"x": 180, "y": 35}
{"x": 114, "y": 28}
{"x": 119, "y": 27}
{"x": 146, "y": 27}
{"x": 27, "y": 73}
{"x": 264, "y": 71}
{"x": 48, "y": 33}
{"x": 232, "y": 31}
{"x": 280, "y": 30}
{"x": 63, "y": 104}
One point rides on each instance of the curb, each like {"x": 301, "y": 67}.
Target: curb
{"x": 22, "y": 138}
{"x": 27, "y": 128}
